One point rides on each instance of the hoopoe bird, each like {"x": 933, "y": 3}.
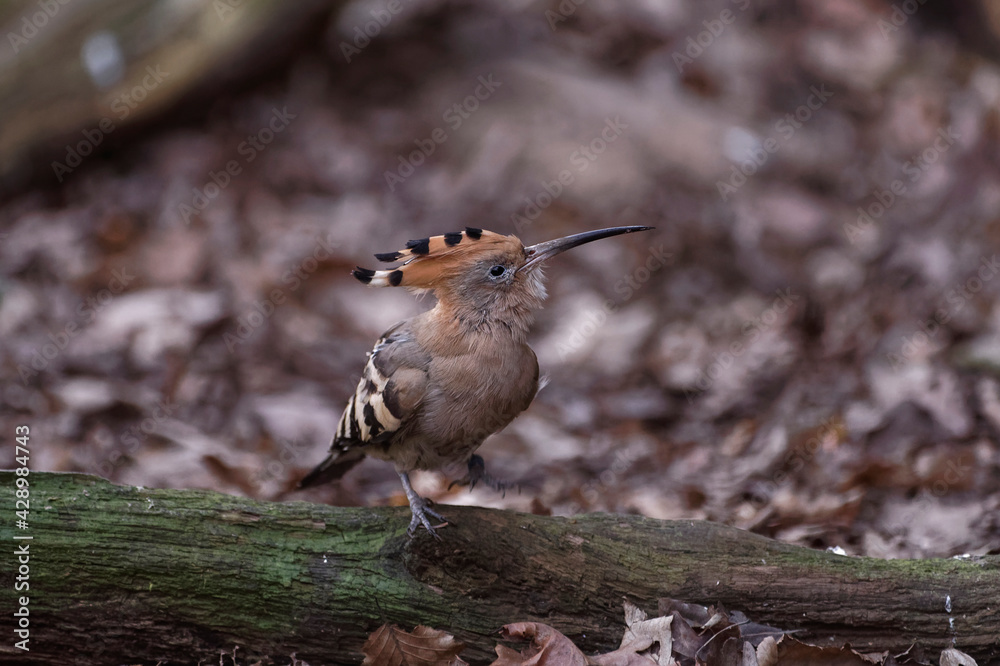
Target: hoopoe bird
{"x": 438, "y": 384}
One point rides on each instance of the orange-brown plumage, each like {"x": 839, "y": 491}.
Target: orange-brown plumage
{"x": 431, "y": 261}
{"x": 438, "y": 384}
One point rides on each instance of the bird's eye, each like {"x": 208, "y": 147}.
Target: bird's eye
{"x": 498, "y": 270}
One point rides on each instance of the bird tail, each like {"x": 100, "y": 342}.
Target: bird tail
{"x": 341, "y": 459}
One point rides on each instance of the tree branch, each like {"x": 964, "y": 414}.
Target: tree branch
{"x": 128, "y": 575}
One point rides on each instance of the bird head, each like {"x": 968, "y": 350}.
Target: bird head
{"x": 486, "y": 271}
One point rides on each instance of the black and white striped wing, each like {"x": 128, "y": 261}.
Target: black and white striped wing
{"x": 392, "y": 387}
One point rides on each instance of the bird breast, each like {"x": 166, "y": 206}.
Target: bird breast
{"x": 469, "y": 397}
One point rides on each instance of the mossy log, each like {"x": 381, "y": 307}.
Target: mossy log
{"x": 130, "y": 575}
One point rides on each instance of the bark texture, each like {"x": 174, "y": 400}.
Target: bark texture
{"x": 130, "y": 575}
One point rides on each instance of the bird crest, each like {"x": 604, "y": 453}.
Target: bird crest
{"x": 427, "y": 260}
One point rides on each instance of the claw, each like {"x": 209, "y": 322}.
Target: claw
{"x": 477, "y": 473}
{"x": 420, "y": 510}
{"x": 420, "y": 518}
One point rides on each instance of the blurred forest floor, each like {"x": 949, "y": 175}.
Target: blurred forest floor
{"x": 807, "y": 347}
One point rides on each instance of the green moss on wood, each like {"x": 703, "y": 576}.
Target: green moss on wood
{"x": 181, "y": 575}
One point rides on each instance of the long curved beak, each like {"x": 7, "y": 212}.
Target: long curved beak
{"x": 542, "y": 251}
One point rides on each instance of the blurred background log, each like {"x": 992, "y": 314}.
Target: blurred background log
{"x": 128, "y": 575}
{"x": 68, "y": 67}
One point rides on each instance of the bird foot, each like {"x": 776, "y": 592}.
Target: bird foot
{"x": 421, "y": 511}
{"x": 477, "y": 473}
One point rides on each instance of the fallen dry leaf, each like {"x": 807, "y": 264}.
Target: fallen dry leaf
{"x": 548, "y": 647}
{"x": 687, "y": 642}
{"x": 391, "y": 646}
{"x": 637, "y": 646}
{"x": 953, "y": 657}
{"x": 624, "y": 658}
{"x": 767, "y": 652}
{"x": 736, "y": 652}
{"x": 694, "y": 615}
{"x": 753, "y": 631}
{"x": 700, "y": 632}
{"x": 791, "y": 652}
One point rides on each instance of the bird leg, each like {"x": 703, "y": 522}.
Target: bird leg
{"x": 477, "y": 473}
{"x": 420, "y": 510}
